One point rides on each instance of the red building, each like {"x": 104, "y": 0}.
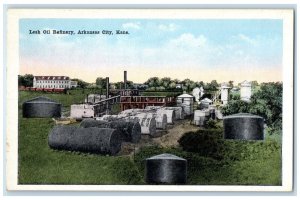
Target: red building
{"x": 129, "y": 102}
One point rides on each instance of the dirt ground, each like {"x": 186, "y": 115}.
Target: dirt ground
{"x": 167, "y": 138}
{"x": 174, "y": 133}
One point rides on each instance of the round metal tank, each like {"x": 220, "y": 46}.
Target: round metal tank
{"x": 161, "y": 120}
{"x": 178, "y": 112}
{"x": 89, "y": 140}
{"x": 186, "y": 102}
{"x": 166, "y": 169}
{"x": 41, "y": 107}
{"x": 243, "y": 126}
{"x": 148, "y": 124}
{"x": 170, "y": 115}
{"x": 199, "y": 117}
{"x": 130, "y": 131}
{"x": 108, "y": 117}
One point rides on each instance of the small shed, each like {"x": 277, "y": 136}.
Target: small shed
{"x": 41, "y": 107}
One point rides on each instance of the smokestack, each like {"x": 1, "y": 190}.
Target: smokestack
{"x": 125, "y": 79}
{"x": 107, "y": 87}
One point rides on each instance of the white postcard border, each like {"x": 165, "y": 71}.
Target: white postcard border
{"x": 13, "y": 16}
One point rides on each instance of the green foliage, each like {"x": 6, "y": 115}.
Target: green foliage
{"x": 210, "y": 143}
{"x": 235, "y": 106}
{"x": 212, "y": 86}
{"x": 120, "y": 85}
{"x": 166, "y": 83}
{"x": 80, "y": 83}
{"x": 26, "y": 80}
{"x": 211, "y": 124}
{"x": 101, "y": 82}
{"x": 265, "y": 102}
{"x": 244, "y": 163}
{"x": 207, "y": 143}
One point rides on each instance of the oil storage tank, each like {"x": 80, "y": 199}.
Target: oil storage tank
{"x": 88, "y": 140}
{"x": 243, "y": 126}
{"x": 185, "y": 101}
{"x": 130, "y": 131}
{"x": 41, "y": 107}
{"x": 199, "y": 118}
{"x": 166, "y": 169}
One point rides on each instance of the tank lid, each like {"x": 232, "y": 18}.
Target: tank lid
{"x": 185, "y": 96}
{"x": 165, "y": 156}
{"x": 242, "y": 115}
{"x": 40, "y": 99}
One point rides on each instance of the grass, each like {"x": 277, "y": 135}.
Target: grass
{"x": 252, "y": 169}
{"x": 38, "y": 164}
{"x": 244, "y": 164}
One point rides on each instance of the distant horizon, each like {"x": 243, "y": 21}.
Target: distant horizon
{"x": 200, "y": 50}
{"x": 220, "y": 82}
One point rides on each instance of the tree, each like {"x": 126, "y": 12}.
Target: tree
{"x": 212, "y": 86}
{"x": 119, "y": 85}
{"x": 165, "y": 82}
{"x": 230, "y": 84}
{"x": 153, "y": 82}
{"x": 172, "y": 85}
{"x": 266, "y": 102}
{"x": 80, "y": 83}
{"x": 255, "y": 83}
{"x": 26, "y": 80}
{"x": 101, "y": 82}
{"x": 199, "y": 84}
{"x": 188, "y": 84}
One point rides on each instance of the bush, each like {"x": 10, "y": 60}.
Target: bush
{"x": 210, "y": 143}
{"x": 206, "y": 142}
{"x": 211, "y": 124}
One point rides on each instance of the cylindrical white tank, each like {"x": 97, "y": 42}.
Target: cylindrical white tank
{"x": 148, "y": 124}
{"x": 178, "y": 112}
{"x": 186, "y": 102}
{"x": 170, "y": 115}
{"x": 199, "y": 117}
{"x": 246, "y": 91}
{"x": 161, "y": 120}
{"x": 108, "y": 117}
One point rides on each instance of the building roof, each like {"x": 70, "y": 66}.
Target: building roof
{"x": 52, "y": 78}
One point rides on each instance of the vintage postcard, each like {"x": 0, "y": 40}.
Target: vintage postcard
{"x": 149, "y": 99}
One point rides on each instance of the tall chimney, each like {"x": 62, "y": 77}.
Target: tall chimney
{"x": 107, "y": 87}
{"x": 125, "y": 79}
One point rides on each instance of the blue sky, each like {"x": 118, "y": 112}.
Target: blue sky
{"x": 197, "y": 49}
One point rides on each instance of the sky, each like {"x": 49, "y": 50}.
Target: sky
{"x": 198, "y": 49}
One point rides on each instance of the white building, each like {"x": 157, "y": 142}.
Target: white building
{"x": 224, "y": 93}
{"x": 59, "y": 82}
{"x": 246, "y": 91}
